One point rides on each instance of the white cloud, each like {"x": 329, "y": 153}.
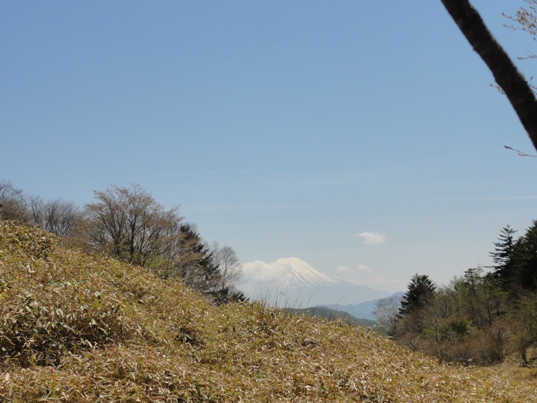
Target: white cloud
{"x": 381, "y": 282}
{"x": 361, "y": 268}
{"x": 254, "y": 277}
{"x": 372, "y": 238}
{"x": 362, "y": 274}
{"x": 260, "y": 271}
{"x": 366, "y": 276}
{"x": 343, "y": 269}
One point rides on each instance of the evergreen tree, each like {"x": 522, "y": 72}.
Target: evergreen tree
{"x": 196, "y": 265}
{"x": 502, "y": 256}
{"x": 524, "y": 260}
{"x": 421, "y": 291}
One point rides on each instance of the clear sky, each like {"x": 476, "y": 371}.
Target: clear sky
{"x": 360, "y": 136}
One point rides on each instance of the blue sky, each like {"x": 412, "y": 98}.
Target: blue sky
{"x": 280, "y": 128}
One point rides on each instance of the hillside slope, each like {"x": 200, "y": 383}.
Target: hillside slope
{"x": 81, "y": 328}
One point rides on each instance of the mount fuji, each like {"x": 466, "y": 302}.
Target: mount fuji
{"x": 294, "y": 283}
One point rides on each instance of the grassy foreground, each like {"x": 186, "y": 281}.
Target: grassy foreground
{"x": 79, "y": 328}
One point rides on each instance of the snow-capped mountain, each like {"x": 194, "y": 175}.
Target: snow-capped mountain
{"x": 294, "y": 272}
{"x": 292, "y": 282}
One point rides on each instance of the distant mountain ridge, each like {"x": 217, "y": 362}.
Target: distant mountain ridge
{"x": 294, "y": 283}
{"x": 362, "y": 310}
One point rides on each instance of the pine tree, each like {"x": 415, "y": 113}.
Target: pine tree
{"x": 524, "y": 260}
{"x": 196, "y": 265}
{"x": 421, "y": 291}
{"x": 502, "y": 256}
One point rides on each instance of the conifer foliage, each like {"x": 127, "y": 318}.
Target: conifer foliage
{"x": 515, "y": 261}
{"x": 480, "y": 317}
{"x": 502, "y": 255}
{"x": 421, "y": 291}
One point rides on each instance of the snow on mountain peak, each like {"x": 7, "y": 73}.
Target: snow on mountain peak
{"x": 294, "y": 272}
{"x": 290, "y": 272}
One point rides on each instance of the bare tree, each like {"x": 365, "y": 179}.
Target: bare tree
{"x": 59, "y": 217}
{"x": 128, "y": 224}
{"x": 525, "y": 19}
{"x": 386, "y": 312}
{"x": 507, "y": 76}
{"x": 13, "y": 203}
{"x": 228, "y": 265}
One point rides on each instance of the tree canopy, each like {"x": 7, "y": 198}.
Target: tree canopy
{"x": 128, "y": 224}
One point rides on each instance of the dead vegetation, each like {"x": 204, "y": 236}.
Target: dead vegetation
{"x": 75, "y": 327}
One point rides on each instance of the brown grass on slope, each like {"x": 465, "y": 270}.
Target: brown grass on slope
{"x": 81, "y": 328}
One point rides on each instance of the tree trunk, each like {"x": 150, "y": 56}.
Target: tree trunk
{"x": 505, "y": 72}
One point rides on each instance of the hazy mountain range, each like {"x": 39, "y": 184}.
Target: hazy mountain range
{"x": 293, "y": 283}
{"x": 362, "y": 310}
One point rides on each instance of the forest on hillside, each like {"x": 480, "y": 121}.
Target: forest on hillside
{"x": 128, "y": 224}
{"x": 482, "y": 316}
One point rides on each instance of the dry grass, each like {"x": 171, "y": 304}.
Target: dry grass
{"x": 79, "y": 328}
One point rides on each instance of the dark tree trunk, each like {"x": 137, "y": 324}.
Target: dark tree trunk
{"x": 505, "y": 72}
